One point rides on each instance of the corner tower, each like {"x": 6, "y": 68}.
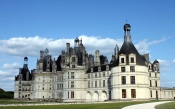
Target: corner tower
{"x": 129, "y": 49}
{"x": 130, "y": 75}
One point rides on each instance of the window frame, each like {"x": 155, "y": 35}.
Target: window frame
{"x": 122, "y": 60}
{"x": 123, "y": 93}
{"x": 132, "y": 68}
{"x": 133, "y": 93}
{"x": 132, "y": 80}
{"x": 123, "y": 69}
{"x": 123, "y": 80}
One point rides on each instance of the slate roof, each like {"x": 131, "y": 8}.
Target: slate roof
{"x": 128, "y": 48}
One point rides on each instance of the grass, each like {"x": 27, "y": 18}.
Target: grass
{"x": 12, "y": 101}
{"x": 116, "y": 105}
{"x": 170, "y": 105}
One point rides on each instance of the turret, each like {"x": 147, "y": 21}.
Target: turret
{"x": 25, "y": 60}
{"x": 127, "y": 34}
{"x": 48, "y": 63}
{"x": 46, "y": 52}
{"x": 116, "y": 52}
{"x": 67, "y": 47}
{"x": 91, "y": 60}
{"x": 76, "y": 42}
{"x": 156, "y": 65}
{"x": 41, "y": 54}
{"x": 97, "y": 57}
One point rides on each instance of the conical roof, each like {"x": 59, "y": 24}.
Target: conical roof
{"x": 129, "y": 48}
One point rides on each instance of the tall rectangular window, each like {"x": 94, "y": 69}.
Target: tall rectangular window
{"x": 100, "y": 74}
{"x": 132, "y": 69}
{"x": 68, "y": 94}
{"x": 95, "y": 84}
{"x": 132, "y": 79}
{"x": 132, "y": 59}
{"x": 123, "y": 93}
{"x": 150, "y": 83}
{"x": 72, "y": 84}
{"x": 95, "y": 75}
{"x": 72, "y": 94}
{"x": 88, "y": 84}
{"x": 151, "y": 93}
{"x": 103, "y": 74}
{"x": 122, "y": 60}
{"x": 72, "y": 75}
{"x": 133, "y": 93}
{"x": 156, "y": 83}
{"x": 68, "y": 75}
{"x": 92, "y": 84}
{"x": 68, "y": 84}
{"x": 103, "y": 83}
{"x": 123, "y": 79}
{"x": 122, "y": 69}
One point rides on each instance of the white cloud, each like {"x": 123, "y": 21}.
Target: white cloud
{"x": 163, "y": 62}
{"x": 8, "y": 79}
{"x": 22, "y": 46}
{"x": 2, "y": 73}
{"x": 143, "y": 46}
{"x": 105, "y": 45}
{"x": 11, "y": 66}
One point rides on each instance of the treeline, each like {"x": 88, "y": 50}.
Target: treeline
{"x": 6, "y": 94}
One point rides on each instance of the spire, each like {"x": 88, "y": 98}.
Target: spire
{"x": 46, "y": 51}
{"x": 25, "y": 60}
{"x": 127, "y": 35}
{"x": 76, "y": 42}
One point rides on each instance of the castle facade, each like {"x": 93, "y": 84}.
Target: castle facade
{"x": 76, "y": 76}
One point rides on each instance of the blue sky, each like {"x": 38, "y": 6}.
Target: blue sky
{"x": 28, "y": 26}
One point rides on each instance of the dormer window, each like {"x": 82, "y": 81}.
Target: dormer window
{"x": 99, "y": 68}
{"x": 155, "y": 68}
{"x": 122, "y": 60}
{"x": 91, "y": 69}
{"x": 132, "y": 59}
{"x": 107, "y": 67}
{"x": 149, "y": 67}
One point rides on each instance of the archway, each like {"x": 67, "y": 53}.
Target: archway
{"x": 88, "y": 96}
{"x": 103, "y": 96}
{"x": 95, "y": 96}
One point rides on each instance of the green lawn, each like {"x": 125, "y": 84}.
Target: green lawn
{"x": 170, "y": 105}
{"x": 77, "y": 106}
{"x": 12, "y": 101}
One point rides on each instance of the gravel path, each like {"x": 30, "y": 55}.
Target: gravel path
{"x": 145, "y": 105}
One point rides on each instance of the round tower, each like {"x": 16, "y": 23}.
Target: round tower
{"x": 25, "y": 60}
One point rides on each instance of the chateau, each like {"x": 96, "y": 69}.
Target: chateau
{"x": 76, "y": 76}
